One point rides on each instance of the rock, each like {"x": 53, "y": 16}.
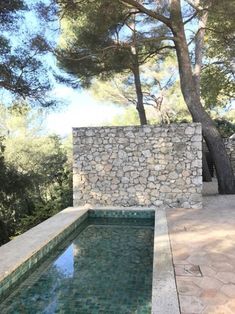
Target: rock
{"x": 165, "y": 189}
{"x": 189, "y": 130}
{"x": 99, "y": 167}
{"x": 151, "y": 178}
{"x": 173, "y": 175}
{"x": 125, "y": 180}
{"x": 146, "y": 153}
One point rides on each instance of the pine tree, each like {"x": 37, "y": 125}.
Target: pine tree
{"x": 22, "y": 70}
{"x": 106, "y": 38}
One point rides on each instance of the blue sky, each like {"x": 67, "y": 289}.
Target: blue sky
{"x": 81, "y": 110}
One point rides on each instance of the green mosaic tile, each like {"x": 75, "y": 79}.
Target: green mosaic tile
{"x": 121, "y": 213}
{"x": 106, "y": 268}
{"x": 21, "y": 271}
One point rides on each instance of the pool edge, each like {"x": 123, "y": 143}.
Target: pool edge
{"x": 164, "y": 291}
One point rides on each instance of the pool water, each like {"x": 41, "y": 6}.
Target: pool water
{"x": 106, "y": 268}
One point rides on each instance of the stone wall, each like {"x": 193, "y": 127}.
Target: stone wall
{"x": 138, "y": 166}
{"x": 230, "y": 147}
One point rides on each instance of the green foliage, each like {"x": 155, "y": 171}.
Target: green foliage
{"x": 229, "y": 115}
{"x": 35, "y": 171}
{"x": 87, "y": 47}
{"x": 119, "y": 90}
{"x": 217, "y": 83}
{"x": 102, "y": 38}
{"x": 162, "y": 96}
{"x": 129, "y": 117}
{"x": 218, "y": 86}
{"x": 8, "y": 9}
{"x": 220, "y": 33}
{"x": 13, "y": 188}
{"x": 225, "y": 127}
{"x": 23, "y": 72}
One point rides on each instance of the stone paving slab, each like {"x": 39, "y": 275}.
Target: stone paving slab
{"x": 203, "y": 241}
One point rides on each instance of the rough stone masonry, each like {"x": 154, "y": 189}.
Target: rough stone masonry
{"x": 230, "y": 147}
{"x": 138, "y": 166}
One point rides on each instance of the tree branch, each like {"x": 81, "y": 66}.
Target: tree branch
{"x": 151, "y": 13}
{"x": 191, "y": 18}
{"x": 154, "y": 39}
{"x": 195, "y": 5}
{"x": 158, "y": 52}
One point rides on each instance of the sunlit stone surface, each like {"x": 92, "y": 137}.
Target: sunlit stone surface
{"x": 138, "y": 166}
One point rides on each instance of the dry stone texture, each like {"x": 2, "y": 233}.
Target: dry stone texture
{"x": 138, "y": 166}
{"x": 230, "y": 147}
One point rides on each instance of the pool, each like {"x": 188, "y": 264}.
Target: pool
{"x": 104, "y": 266}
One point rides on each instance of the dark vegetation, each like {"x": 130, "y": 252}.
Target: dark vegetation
{"x": 35, "y": 173}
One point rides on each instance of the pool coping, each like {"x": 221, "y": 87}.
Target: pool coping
{"x": 164, "y": 292}
{"x": 16, "y": 258}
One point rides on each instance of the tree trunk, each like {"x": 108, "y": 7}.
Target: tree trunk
{"x": 139, "y": 94}
{"x": 211, "y": 135}
{"x": 206, "y": 175}
{"x": 4, "y": 237}
{"x": 136, "y": 73}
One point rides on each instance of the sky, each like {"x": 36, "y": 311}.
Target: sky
{"x": 81, "y": 110}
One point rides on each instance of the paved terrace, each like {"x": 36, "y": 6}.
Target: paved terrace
{"x": 203, "y": 247}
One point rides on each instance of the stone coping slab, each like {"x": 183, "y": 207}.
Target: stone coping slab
{"x": 164, "y": 292}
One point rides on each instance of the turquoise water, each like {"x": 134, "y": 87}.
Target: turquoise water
{"x": 106, "y": 268}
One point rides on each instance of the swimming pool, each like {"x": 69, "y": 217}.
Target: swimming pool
{"x": 105, "y": 266}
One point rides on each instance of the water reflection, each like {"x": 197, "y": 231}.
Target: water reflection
{"x": 65, "y": 263}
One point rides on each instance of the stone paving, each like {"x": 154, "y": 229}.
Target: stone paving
{"x": 203, "y": 247}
